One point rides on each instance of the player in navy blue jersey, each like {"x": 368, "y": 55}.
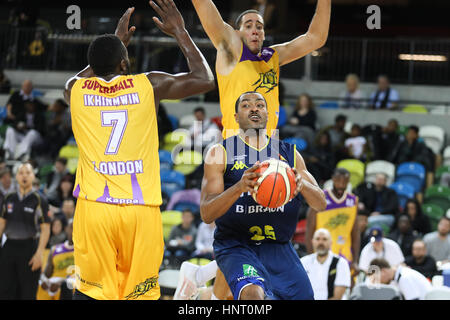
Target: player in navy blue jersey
{"x": 252, "y": 243}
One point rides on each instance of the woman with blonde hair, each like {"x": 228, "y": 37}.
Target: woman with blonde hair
{"x": 352, "y": 97}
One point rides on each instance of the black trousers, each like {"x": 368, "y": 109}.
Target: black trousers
{"x": 17, "y": 281}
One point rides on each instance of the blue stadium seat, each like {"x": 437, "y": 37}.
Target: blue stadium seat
{"x": 404, "y": 192}
{"x": 329, "y": 105}
{"x": 172, "y": 181}
{"x": 165, "y": 160}
{"x": 412, "y": 173}
{"x": 282, "y": 117}
{"x": 300, "y": 143}
{"x": 173, "y": 121}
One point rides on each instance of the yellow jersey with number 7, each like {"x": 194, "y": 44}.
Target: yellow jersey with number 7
{"x": 115, "y": 126}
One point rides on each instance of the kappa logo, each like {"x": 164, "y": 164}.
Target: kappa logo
{"x": 266, "y": 80}
{"x": 239, "y": 165}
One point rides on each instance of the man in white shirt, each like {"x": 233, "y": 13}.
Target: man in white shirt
{"x": 411, "y": 283}
{"x": 329, "y": 274}
{"x": 380, "y": 247}
{"x": 203, "y": 132}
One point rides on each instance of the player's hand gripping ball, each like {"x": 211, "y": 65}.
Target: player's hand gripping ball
{"x": 276, "y": 184}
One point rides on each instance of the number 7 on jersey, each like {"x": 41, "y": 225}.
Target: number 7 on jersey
{"x": 118, "y": 120}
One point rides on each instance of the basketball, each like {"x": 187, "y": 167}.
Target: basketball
{"x": 277, "y": 184}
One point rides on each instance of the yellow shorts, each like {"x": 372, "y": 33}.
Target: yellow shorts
{"x": 118, "y": 250}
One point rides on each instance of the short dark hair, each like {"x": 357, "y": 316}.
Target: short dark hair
{"x": 105, "y": 53}
{"x": 381, "y": 263}
{"x": 199, "y": 109}
{"x": 341, "y": 172}
{"x": 61, "y": 160}
{"x": 340, "y": 117}
{"x": 62, "y": 103}
{"x": 238, "y": 21}
{"x": 5, "y": 171}
{"x": 236, "y": 104}
{"x": 414, "y": 128}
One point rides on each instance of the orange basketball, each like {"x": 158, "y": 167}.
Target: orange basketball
{"x": 277, "y": 184}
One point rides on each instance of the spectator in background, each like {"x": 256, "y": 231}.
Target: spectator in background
{"x": 377, "y": 200}
{"x": 412, "y": 284}
{"x": 6, "y": 182}
{"x": 329, "y": 273}
{"x": 57, "y": 234}
{"x": 320, "y": 159}
{"x": 164, "y": 123}
{"x": 380, "y": 247}
{"x": 64, "y": 191}
{"x": 404, "y": 235}
{"x": 390, "y": 141}
{"x": 420, "y": 260}
{"x": 26, "y": 131}
{"x": 204, "y": 241}
{"x": 384, "y": 97}
{"x": 302, "y": 122}
{"x": 67, "y": 211}
{"x": 59, "y": 127}
{"x": 352, "y": 97}
{"x": 356, "y": 145}
{"x": 337, "y": 136}
{"x": 5, "y": 84}
{"x": 181, "y": 242}
{"x": 203, "y": 132}
{"x": 54, "y": 177}
{"x": 438, "y": 242}
{"x": 16, "y": 102}
{"x": 419, "y": 221}
{"x": 413, "y": 150}
{"x": 362, "y": 219}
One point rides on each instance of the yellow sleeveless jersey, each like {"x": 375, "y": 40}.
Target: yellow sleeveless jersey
{"x": 62, "y": 259}
{"x": 338, "y": 218}
{"x": 254, "y": 72}
{"x": 115, "y": 126}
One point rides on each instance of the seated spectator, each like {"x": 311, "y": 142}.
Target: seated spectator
{"x": 356, "y": 145}
{"x": 412, "y": 284}
{"x": 203, "y": 132}
{"x": 204, "y": 241}
{"x": 64, "y": 191}
{"x": 438, "y": 242}
{"x": 413, "y": 150}
{"x": 303, "y": 116}
{"x": 320, "y": 159}
{"x": 419, "y": 221}
{"x": 181, "y": 242}
{"x": 337, "y": 136}
{"x": 380, "y": 247}
{"x": 16, "y": 102}
{"x": 59, "y": 128}
{"x": 384, "y": 97}
{"x": 390, "y": 141}
{"x": 6, "y": 182}
{"x": 54, "y": 177}
{"x": 352, "y": 97}
{"x": 57, "y": 234}
{"x": 329, "y": 273}
{"x": 164, "y": 124}
{"x": 5, "y": 84}
{"x": 25, "y": 132}
{"x": 420, "y": 260}
{"x": 379, "y": 201}
{"x": 67, "y": 210}
{"x": 403, "y": 234}
{"x": 362, "y": 219}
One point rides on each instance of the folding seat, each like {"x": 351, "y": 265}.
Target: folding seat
{"x": 433, "y": 137}
{"x": 356, "y": 169}
{"x": 404, "y": 192}
{"x": 413, "y": 173}
{"x": 380, "y": 166}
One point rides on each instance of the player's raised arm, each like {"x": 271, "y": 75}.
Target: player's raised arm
{"x": 313, "y": 39}
{"x": 123, "y": 32}
{"x": 200, "y": 78}
{"x": 214, "y": 201}
{"x": 307, "y": 186}
{"x": 221, "y": 34}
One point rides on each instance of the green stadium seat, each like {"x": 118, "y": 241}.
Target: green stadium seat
{"x": 433, "y": 212}
{"x": 438, "y": 195}
{"x": 174, "y": 138}
{"x": 356, "y": 169}
{"x": 415, "y": 108}
{"x": 187, "y": 161}
{"x": 170, "y": 218}
{"x": 439, "y": 172}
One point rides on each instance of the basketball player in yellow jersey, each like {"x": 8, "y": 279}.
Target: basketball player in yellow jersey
{"x": 339, "y": 218}
{"x": 118, "y": 238}
{"x": 243, "y": 64}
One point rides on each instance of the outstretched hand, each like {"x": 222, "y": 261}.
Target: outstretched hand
{"x": 122, "y": 31}
{"x": 172, "y": 20}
